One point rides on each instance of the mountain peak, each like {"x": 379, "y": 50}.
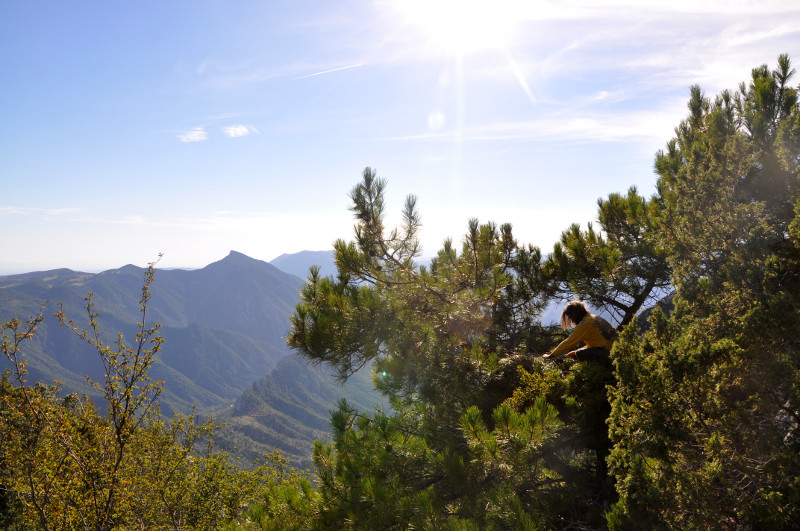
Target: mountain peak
{"x": 237, "y": 258}
{"x": 236, "y": 255}
{"x": 236, "y": 261}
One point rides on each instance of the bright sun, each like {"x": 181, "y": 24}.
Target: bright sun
{"x": 462, "y": 26}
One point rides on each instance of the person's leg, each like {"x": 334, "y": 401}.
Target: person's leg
{"x": 598, "y": 374}
{"x": 592, "y": 354}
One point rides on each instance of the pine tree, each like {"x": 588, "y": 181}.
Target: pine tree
{"x": 480, "y": 432}
{"x": 446, "y": 342}
{"x": 619, "y": 268}
{"x": 705, "y": 416}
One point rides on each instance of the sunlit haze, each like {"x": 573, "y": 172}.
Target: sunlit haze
{"x": 192, "y": 128}
{"x": 459, "y": 27}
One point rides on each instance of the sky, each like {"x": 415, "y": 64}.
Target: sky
{"x": 193, "y": 128}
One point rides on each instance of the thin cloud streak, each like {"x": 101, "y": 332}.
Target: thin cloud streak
{"x": 682, "y": 45}
{"x": 591, "y": 9}
{"x": 741, "y": 35}
{"x": 633, "y": 127}
{"x": 331, "y": 70}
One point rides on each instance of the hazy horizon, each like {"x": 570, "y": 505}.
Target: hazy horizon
{"x": 157, "y": 260}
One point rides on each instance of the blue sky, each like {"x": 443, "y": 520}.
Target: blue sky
{"x": 192, "y": 128}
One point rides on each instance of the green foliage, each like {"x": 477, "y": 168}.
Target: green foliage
{"x": 379, "y": 473}
{"x": 437, "y": 333}
{"x": 697, "y": 418}
{"x": 705, "y": 415}
{"x": 511, "y": 457}
{"x": 450, "y": 345}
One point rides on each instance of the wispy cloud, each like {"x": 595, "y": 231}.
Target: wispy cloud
{"x": 331, "y": 70}
{"x": 645, "y": 127}
{"x": 237, "y": 131}
{"x": 198, "y": 134}
{"x": 574, "y": 9}
{"x": 745, "y": 35}
{"x": 677, "y": 36}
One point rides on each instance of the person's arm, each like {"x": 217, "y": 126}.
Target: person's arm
{"x": 572, "y": 341}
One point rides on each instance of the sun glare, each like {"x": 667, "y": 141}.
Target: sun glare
{"x": 462, "y": 26}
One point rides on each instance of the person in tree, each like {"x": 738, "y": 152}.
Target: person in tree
{"x": 595, "y": 332}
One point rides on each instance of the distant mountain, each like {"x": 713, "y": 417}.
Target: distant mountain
{"x": 225, "y": 352}
{"x": 298, "y": 264}
{"x": 224, "y": 325}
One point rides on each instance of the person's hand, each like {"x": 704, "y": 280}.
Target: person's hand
{"x": 546, "y": 356}
{"x": 572, "y": 353}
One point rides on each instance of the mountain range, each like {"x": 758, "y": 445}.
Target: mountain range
{"x": 298, "y": 264}
{"x": 224, "y": 352}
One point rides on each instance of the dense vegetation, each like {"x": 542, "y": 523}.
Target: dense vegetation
{"x": 694, "y": 424}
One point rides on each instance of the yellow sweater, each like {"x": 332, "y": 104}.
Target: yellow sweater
{"x": 594, "y": 331}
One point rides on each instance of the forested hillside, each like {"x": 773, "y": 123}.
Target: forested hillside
{"x": 289, "y": 409}
{"x": 691, "y": 422}
{"x": 225, "y": 324}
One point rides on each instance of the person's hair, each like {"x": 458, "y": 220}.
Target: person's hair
{"x": 573, "y": 313}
